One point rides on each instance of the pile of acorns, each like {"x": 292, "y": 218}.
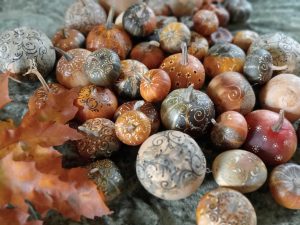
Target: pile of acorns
{"x": 188, "y": 72}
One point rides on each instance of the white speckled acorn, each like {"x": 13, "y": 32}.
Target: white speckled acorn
{"x": 170, "y": 165}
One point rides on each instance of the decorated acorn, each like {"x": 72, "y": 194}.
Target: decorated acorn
{"x": 155, "y": 85}
{"x": 160, "y": 8}
{"x": 285, "y": 50}
{"x": 95, "y": 102}
{"x": 23, "y": 45}
{"x": 270, "y": 136}
{"x": 221, "y": 35}
{"x": 133, "y": 127}
{"x": 181, "y": 8}
{"x": 239, "y": 10}
{"x": 229, "y": 130}
{"x": 148, "y": 53}
{"x": 230, "y": 91}
{"x": 240, "y": 170}
{"x": 184, "y": 69}
{"x": 205, "y": 22}
{"x": 225, "y": 206}
{"x": 258, "y": 67}
{"x": 70, "y": 70}
{"x": 172, "y": 35}
{"x": 102, "y": 67}
{"x": 67, "y": 39}
{"x": 109, "y": 36}
{"x": 83, "y": 15}
{"x": 145, "y": 107}
{"x": 99, "y": 139}
{"x": 285, "y": 185}
{"x": 244, "y": 39}
{"x": 224, "y": 57}
{"x": 107, "y": 177}
{"x": 198, "y": 46}
{"x": 187, "y": 110}
{"x": 170, "y": 165}
{"x": 282, "y": 92}
{"x": 139, "y": 20}
{"x": 220, "y": 11}
{"x": 131, "y": 73}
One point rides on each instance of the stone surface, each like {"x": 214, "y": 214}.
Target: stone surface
{"x": 135, "y": 206}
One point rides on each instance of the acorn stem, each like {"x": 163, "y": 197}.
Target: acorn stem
{"x": 65, "y": 33}
{"x": 184, "y": 57}
{"x": 276, "y": 68}
{"x": 154, "y": 43}
{"x": 278, "y": 125}
{"x": 33, "y": 70}
{"x": 138, "y": 105}
{"x": 109, "y": 21}
{"x": 14, "y": 79}
{"x": 188, "y": 93}
{"x": 67, "y": 56}
{"x": 214, "y": 122}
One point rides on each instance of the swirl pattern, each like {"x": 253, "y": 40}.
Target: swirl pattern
{"x": 170, "y": 165}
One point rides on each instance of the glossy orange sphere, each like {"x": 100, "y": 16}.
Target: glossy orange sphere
{"x": 133, "y": 127}
{"x": 244, "y": 39}
{"x": 67, "y": 39}
{"x": 205, "y": 22}
{"x": 155, "y": 85}
{"x": 95, "y": 102}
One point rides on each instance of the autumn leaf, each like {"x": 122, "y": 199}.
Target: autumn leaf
{"x": 38, "y": 177}
{"x": 58, "y": 107}
{"x": 4, "y": 96}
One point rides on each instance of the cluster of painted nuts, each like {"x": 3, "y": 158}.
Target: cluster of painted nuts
{"x": 176, "y": 64}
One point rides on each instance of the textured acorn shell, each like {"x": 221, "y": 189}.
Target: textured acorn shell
{"x": 128, "y": 83}
{"x": 230, "y": 91}
{"x": 95, "y": 102}
{"x": 198, "y": 46}
{"x": 184, "y": 7}
{"x": 139, "y": 20}
{"x": 114, "y": 38}
{"x": 145, "y": 107}
{"x": 187, "y": 110}
{"x": 172, "y": 35}
{"x": 284, "y": 50}
{"x": 225, "y": 206}
{"x": 99, "y": 140}
{"x": 20, "y": 45}
{"x": 71, "y": 73}
{"x": 182, "y": 75}
{"x": 170, "y": 165}
{"x": 240, "y": 170}
{"x": 67, "y": 39}
{"x": 107, "y": 177}
{"x": 245, "y": 38}
{"x": 224, "y": 57}
{"x": 103, "y": 67}
{"x": 258, "y": 67}
{"x": 83, "y": 15}
{"x": 285, "y": 185}
{"x": 239, "y": 10}
{"x": 206, "y": 22}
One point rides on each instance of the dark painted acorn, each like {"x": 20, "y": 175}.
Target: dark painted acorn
{"x": 145, "y": 107}
{"x": 231, "y": 91}
{"x": 139, "y": 20}
{"x": 128, "y": 84}
{"x": 172, "y": 35}
{"x": 170, "y": 165}
{"x": 99, "y": 140}
{"x": 67, "y": 39}
{"x": 239, "y": 10}
{"x": 83, "y": 15}
{"x": 187, "y": 110}
{"x": 109, "y": 36}
{"x": 148, "y": 53}
{"x": 229, "y": 131}
{"x": 184, "y": 69}
{"x": 224, "y": 57}
{"x": 107, "y": 177}
{"x": 221, "y": 35}
{"x": 103, "y": 67}
{"x": 258, "y": 67}
{"x": 69, "y": 69}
